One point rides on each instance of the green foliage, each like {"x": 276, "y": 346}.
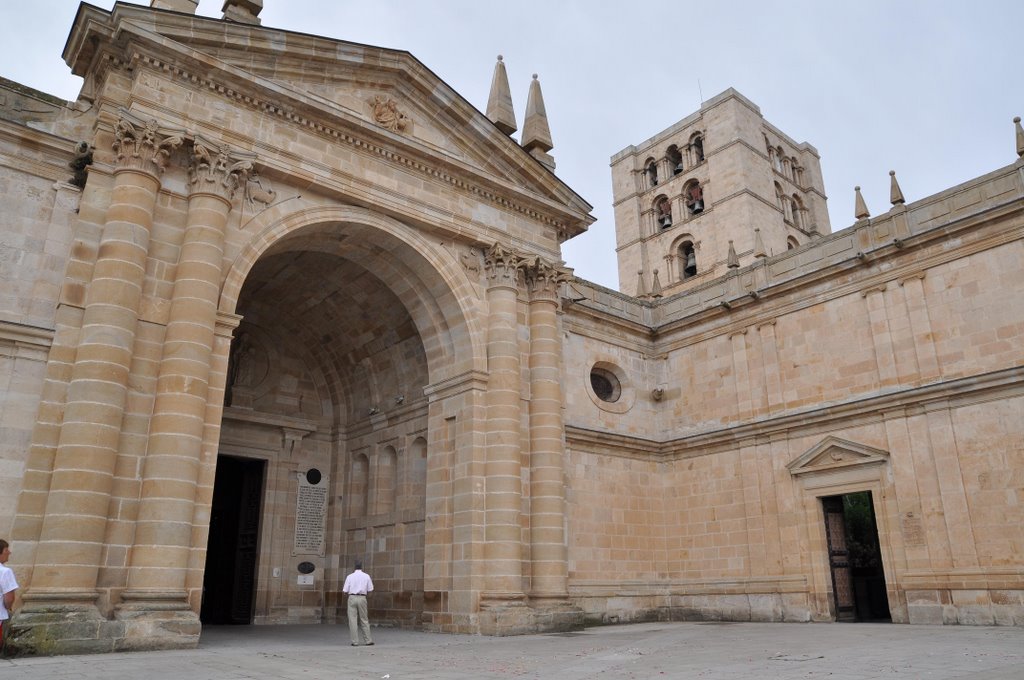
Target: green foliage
{"x": 861, "y": 531}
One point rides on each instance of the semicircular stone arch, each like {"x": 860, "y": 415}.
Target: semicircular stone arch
{"x": 426, "y": 278}
{"x": 355, "y": 318}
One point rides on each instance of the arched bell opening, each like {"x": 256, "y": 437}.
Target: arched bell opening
{"x": 675, "y": 159}
{"x": 663, "y": 212}
{"x": 651, "y": 172}
{"x": 687, "y": 259}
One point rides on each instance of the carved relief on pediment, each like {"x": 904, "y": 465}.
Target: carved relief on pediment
{"x": 833, "y": 453}
{"x": 387, "y": 114}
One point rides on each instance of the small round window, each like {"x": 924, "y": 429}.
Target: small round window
{"x": 606, "y": 385}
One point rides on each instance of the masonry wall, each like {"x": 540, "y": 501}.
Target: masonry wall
{"x": 36, "y": 227}
{"x": 912, "y": 349}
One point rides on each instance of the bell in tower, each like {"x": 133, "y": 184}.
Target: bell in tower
{"x": 695, "y": 198}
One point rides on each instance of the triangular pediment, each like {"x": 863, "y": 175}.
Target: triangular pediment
{"x": 385, "y": 96}
{"x": 833, "y": 453}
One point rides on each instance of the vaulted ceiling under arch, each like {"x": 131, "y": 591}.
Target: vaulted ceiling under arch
{"x": 351, "y": 331}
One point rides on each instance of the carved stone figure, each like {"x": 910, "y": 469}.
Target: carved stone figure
{"x": 386, "y": 113}
{"x": 78, "y": 164}
{"x": 241, "y": 367}
{"x": 470, "y": 261}
{"x": 257, "y": 192}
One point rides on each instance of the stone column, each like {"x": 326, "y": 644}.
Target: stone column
{"x": 163, "y": 529}
{"x": 71, "y": 539}
{"x": 503, "y": 468}
{"x": 666, "y": 170}
{"x": 547, "y": 445}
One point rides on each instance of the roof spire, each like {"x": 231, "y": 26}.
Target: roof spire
{"x": 732, "y": 261}
{"x": 656, "y": 286}
{"x": 499, "y": 103}
{"x": 641, "y": 285}
{"x": 759, "y": 250}
{"x": 860, "y": 208}
{"x": 243, "y": 11}
{"x": 895, "y": 194}
{"x": 536, "y": 134}
{"x": 1020, "y": 137}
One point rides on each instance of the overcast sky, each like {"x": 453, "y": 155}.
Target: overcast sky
{"x": 925, "y": 88}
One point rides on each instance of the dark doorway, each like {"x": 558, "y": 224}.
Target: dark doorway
{"x": 855, "y": 558}
{"x": 229, "y": 582}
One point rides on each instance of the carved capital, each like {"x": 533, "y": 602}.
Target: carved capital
{"x": 217, "y": 169}
{"x": 502, "y": 266}
{"x": 144, "y": 146}
{"x": 543, "y": 278}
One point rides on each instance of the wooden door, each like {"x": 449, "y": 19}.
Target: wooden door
{"x": 839, "y": 559}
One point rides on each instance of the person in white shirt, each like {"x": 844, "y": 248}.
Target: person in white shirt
{"x": 7, "y": 587}
{"x": 357, "y": 585}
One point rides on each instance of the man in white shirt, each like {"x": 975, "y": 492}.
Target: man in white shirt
{"x": 7, "y": 586}
{"x": 357, "y": 585}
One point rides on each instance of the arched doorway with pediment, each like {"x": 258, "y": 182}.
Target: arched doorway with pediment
{"x": 346, "y": 383}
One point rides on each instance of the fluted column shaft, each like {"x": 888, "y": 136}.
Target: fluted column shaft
{"x": 503, "y": 533}
{"x": 72, "y": 534}
{"x": 549, "y": 568}
{"x": 163, "y": 529}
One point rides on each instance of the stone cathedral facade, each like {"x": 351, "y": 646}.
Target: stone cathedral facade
{"x": 273, "y": 302}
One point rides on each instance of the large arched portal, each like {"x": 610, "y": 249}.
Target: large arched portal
{"x": 339, "y": 379}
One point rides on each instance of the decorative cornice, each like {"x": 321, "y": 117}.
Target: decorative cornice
{"x": 957, "y": 393}
{"x": 273, "y": 108}
{"x": 456, "y": 384}
{"x": 30, "y": 342}
{"x": 808, "y": 280}
{"x": 226, "y": 324}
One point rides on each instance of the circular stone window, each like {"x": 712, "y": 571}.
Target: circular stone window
{"x": 608, "y": 387}
{"x": 605, "y": 385}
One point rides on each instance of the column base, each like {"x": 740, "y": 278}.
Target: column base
{"x": 52, "y": 623}
{"x": 157, "y": 620}
{"x": 556, "y": 614}
{"x": 518, "y": 616}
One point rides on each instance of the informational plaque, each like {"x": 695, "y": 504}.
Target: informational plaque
{"x": 913, "y": 530}
{"x": 310, "y": 516}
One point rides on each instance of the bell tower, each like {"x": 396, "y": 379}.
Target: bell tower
{"x": 720, "y": 188}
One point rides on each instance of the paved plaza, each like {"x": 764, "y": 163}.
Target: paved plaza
{"x": 734, "y": 651}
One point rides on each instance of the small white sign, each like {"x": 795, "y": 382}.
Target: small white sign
{"x": 305, "y": 579}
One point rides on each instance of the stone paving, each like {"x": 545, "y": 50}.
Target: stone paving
{"x": 737, "y": 651}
